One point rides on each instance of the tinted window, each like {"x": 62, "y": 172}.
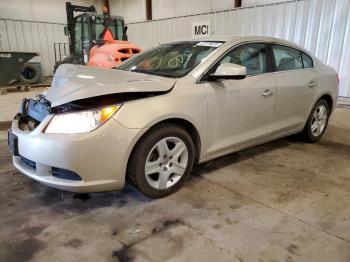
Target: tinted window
{"x": 286, "y": 58}
{"x": 307, "y": 60}
{"x": 252, "y": 56}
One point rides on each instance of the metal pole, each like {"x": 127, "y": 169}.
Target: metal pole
{"x": 238, "y": 3}
{"x": 149, "y": 9}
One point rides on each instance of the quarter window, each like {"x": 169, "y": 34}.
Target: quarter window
{"x": 252, "y": 56}
{"x": 307, "y": 61}
{"x": 286, "y": 58}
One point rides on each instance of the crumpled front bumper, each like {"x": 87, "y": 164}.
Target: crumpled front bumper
{"x": 99, "y": 157}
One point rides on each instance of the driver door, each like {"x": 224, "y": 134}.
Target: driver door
{"x": 241, "y": 112}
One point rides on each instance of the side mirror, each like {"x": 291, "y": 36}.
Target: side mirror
{"x": 229, "y": 71}
{"x": 66, "y": 30}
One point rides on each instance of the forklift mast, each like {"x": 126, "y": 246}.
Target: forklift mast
{"x": 85, "y": 31}
{"x": 70, "y": 9}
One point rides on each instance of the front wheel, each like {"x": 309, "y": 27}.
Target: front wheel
{"x": 162, "y": 161}
{"x": 317, "y": 122}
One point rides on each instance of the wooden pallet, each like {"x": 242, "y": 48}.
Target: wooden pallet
{"x": 23, "y": 87}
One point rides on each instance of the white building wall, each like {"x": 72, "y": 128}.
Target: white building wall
{"x": 135, "y": 10}
{"x": 170, "y": 8}
{"x": 131, "y": 10}
{"x": 51, "y": 11}
{"x": 23, "y": 36}
{"x": 321, "y": 26}
{"x": 246, "y": 3}
{"x": 34, "y": 26}
{"x": 175, "y": 8}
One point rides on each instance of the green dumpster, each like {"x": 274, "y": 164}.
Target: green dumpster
{"x": 14, "y": 67}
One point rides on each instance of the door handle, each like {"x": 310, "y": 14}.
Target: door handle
{"x": 267, "y": 93}
{"x": 312, "y": 84}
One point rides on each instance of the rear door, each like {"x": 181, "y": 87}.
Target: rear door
{"x": 297, "y": 82}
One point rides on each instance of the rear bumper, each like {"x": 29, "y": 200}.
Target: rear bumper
{"x": 99, "y": 157}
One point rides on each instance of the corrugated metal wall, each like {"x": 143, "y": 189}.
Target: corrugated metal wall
{"x": 321, "y": 26}
{"x": 26, "y": 36}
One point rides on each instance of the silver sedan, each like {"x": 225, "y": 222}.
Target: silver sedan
{"x": 152, "y": 118}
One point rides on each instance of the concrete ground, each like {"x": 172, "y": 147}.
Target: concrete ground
{"x": 283, "y": 201}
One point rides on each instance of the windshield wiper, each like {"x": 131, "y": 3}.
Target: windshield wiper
{"x": 152, "y": 73}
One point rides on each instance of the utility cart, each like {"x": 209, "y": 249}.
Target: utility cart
{"x": 15, "y": 68}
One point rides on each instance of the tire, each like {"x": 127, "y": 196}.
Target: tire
{"x": 30, "y": 74}
{"x": 312, "y": 131}
{"x": 158, "y": 180}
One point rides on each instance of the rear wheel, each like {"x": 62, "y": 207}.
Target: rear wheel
{"x": 317, "y": 122}
{"x": 162, "y": 161}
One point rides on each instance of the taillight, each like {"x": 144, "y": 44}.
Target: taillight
{"x": 337, "y": 75}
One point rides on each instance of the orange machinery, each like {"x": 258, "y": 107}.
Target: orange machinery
{"x": 112, "y": 52}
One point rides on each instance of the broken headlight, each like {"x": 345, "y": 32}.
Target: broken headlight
{"x": 80, "y": 122}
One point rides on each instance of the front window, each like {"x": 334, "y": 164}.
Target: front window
{"x": 252, "y": 56}
{"x": 171, "y": 60}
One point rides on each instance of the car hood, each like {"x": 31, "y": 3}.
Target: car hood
{"x": 76, "y": 82}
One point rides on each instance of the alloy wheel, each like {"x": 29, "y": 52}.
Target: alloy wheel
{"x": 166, "y": 163}
{"x": 319, "y": 120}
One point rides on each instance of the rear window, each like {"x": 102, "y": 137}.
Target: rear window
{"x": 286, "y": 58}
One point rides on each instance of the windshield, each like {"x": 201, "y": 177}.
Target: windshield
{"x": 171, "y": 60}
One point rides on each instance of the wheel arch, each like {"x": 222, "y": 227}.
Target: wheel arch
{"x": 190, "y": 129}
{"x": 328, "y": 99}
{"x": 326, "y": 96}
{"x": 183, "y": 123}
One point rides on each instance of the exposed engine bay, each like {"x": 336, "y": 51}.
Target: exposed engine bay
{"x": 77, "y": 88}
{"x": 33, "y": 111}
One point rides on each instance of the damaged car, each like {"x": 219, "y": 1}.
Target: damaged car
{"x": 156, "y": 115}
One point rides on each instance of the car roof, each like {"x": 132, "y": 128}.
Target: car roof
{"x": 237, "y": 39}
{"x": 240, "y": 39}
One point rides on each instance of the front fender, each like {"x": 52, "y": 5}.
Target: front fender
{"x": 147, "y": 112}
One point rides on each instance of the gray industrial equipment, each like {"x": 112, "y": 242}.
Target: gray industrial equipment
{"x": 14, "y": 67}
